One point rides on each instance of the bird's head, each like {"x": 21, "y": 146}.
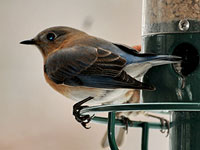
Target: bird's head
{"x": 53, "y": 38}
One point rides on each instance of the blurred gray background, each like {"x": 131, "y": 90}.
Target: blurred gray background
{"x": 32, "y": 115}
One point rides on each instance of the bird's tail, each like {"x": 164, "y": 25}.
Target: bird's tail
{"x": 156, "y": 60}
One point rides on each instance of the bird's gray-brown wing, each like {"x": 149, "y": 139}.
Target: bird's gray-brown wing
{"x": 90, "y": 66}
{"x": 69, "y": 62}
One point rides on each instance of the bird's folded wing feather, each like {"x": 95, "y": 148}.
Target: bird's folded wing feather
{"x": 89, "y": 66}
{"x": 133, "y": 51}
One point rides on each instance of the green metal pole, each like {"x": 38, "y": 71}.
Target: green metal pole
{"x": 185, "y": 131}
{"x": 145, "y": 135}
{"x": 111, "y": 131}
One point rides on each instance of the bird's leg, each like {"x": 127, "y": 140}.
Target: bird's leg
{"x": 126, "y": 121}
{"x": 164, "y": 122}
{"x": 83, "y": 119}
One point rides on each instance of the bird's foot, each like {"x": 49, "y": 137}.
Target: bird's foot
{"x": 164, "y": 123}
{"x": 126, "y": 121}
{"x": 83, "y": 119}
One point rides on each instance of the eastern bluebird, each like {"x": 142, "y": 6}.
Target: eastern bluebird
{"x": 84, "y": 67}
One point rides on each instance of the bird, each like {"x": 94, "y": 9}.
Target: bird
{"x": 88, "y": 69}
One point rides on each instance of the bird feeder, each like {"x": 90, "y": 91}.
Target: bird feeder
{"x": 170, "y": 27}
{"x": 173, "y": 27}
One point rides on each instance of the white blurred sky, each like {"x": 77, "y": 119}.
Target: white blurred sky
{"x": 32, "y": 115}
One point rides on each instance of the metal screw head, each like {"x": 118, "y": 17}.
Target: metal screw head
{"x": 184, "y": 25}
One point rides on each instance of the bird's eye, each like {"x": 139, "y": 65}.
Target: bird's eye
{"x": 51, "y": 36}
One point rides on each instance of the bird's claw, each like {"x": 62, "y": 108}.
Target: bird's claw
{"x": 83, "y": 119}
{"x": 126, "y": 121}
{"x": 86, "y": 121}
{"x": 164, "y": 122}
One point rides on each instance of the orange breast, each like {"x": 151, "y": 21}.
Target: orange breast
{"x": 63, "y": 89}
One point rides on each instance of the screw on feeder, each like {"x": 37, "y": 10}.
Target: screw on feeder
{"x": 184, "y": 25}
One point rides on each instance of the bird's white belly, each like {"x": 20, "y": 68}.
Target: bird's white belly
{"x": 100, "y": 95}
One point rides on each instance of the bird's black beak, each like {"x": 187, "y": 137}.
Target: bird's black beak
{"x": 28, "y": 42}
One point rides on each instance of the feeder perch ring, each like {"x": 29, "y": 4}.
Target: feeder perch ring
{"x": 155, "y": 107}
